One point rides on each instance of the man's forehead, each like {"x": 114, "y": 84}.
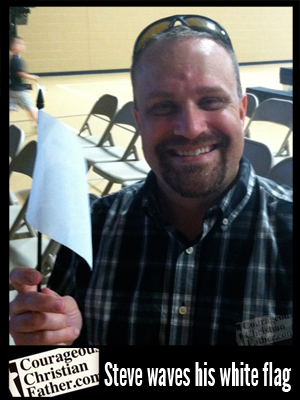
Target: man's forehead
{"x": 191, "y": 52}
{"x": 180, "y": 60}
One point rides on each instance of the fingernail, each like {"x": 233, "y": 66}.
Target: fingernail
{"x": 57, "y": 305}
{"x": 76, "y": 332}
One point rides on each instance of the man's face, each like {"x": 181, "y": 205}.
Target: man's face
{"x": 20, "y": 46}
{"x": 189, "y": 116}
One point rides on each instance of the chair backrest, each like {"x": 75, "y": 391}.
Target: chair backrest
{"x": 252, "y": 104}
{"x": 259, "y": 155}
{"x": 16, "y": 140}
{"x": 24, "y": 161}
{"x": 282, "y": 172}
{"x": 123, "y": 117}
{"x": 275, "y": 110}
{"x": 106, "y": 105}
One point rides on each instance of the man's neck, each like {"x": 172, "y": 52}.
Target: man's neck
{"x": 185, "y": 214}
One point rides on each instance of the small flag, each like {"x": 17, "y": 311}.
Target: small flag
{"x": 58, "y": 203}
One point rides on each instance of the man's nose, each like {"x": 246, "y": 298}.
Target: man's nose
{"x": 190, "y": 122}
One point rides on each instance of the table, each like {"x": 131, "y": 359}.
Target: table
{"x": 263, "y": 93}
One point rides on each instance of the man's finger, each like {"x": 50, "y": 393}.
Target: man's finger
{"x": 36, "y": 321}
{"x": 25, "y": 279}
{"x": 66, "y": 335}
{"x": 36, "y": 302}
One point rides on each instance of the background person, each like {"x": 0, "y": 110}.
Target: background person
{"x": 18, "y": 97}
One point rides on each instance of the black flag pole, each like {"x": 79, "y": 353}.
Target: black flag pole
{"x": 40, "y": 105}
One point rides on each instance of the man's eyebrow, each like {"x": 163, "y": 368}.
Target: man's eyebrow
{"x": 199, "y": 90}
{"x": 210, "y": 90}
{"x": 159, "y": 93}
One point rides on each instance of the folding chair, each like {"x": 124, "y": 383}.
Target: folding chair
{"x": 107, "y": 107}
{"x": 99, "y": 154}
{"x": 23, "y": 163}
{"x": 252, "y": 104}
{"x": 121, "y": 172}
{"x": 282, "y": 172}
{"x": 277, "y": 111}
{"x": 24, "y": 252}
{"x": 16, "y": 140}
{"x": 259, "y": 155}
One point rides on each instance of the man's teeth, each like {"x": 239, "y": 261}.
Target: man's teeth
{"x": 196, "y": 152}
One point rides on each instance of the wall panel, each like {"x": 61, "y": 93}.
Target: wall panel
{"x": 64, "y": 39}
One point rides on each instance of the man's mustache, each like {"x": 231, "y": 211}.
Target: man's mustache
{"x": 203, "y": 140}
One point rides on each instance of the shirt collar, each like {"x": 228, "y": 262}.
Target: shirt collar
{"x": 237, "y": 197}
{"x": 150, "y": 198}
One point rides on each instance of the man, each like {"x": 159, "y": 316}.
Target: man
{"x": 202, "y": 245}
{"x": 17, "y": 91}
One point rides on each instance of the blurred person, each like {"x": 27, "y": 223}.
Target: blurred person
{"x": 18, "y": 97}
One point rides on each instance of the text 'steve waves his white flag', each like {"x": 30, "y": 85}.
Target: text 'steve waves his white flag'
{"x": 58, "y": 204}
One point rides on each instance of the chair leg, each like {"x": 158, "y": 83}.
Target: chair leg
{"x": 107, "y": 188}
{"x": 285, "y": 146}
{"x": 247, "y": 133}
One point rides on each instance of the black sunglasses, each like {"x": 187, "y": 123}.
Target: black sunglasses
{"x": 195, "y": 22}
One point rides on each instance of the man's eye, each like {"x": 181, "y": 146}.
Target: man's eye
{"x": 164, "y": 108}
{"x": 211, "y": 103}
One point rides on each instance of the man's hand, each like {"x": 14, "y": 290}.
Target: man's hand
{"x": 41, "y": 318}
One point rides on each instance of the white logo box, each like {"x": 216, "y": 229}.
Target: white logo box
{"x": 54, "y": 372}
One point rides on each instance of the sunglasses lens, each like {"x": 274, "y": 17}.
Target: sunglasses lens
{"x": 194, "y": 22}
{"x": 153, "y": 30}
{"x": 197, "y": 22}
{"x": 208, "y": 26}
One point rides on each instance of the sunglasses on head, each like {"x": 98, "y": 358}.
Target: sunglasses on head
{"x": 195, "y": 22}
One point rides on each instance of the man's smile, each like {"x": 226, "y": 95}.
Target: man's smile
{"x": 196, "y": 152}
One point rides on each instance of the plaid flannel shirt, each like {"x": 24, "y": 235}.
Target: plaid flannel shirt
{"x": 150, "y": 285}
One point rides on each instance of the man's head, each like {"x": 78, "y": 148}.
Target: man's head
{"x": 16, "y": 44}
{"x": 181, "y": 33}
{"x": 190, "y": 112}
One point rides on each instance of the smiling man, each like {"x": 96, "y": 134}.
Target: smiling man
{"x": 199, "y": 247}
{"x": 191, "y": 122}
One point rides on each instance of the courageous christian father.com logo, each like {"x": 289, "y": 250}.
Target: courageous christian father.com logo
{"x": 54, "y": 372}
{"x": 262, "y": 331}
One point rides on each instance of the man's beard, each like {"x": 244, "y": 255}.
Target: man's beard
{"x": 192, "y": 180}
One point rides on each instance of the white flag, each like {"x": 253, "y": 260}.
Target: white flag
{"x": 58, "y": 204}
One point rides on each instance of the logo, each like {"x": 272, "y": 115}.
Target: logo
{"x": 263, "y": 331}
{"x": 54, "y": 372}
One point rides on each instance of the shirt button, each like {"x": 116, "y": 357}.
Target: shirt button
{"x": 225, "y": 221}
{"x": 182, "y": 310}
{"x": 189, "y": 250}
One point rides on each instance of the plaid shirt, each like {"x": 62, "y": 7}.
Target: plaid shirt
{"x": 150, "y": 285}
